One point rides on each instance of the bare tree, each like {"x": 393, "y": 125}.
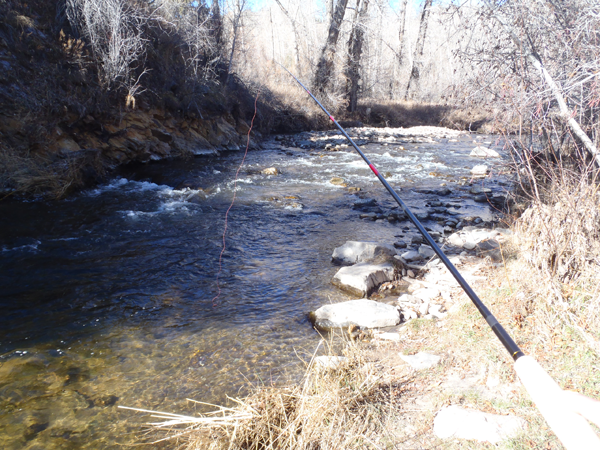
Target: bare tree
{"x": 113, "y": 29}
{"x": 417, "y": 61}
{"x": 325, "y": 64}
{"x": 355, "y": 43}
{"x": 296, "y": 37}
{"x": 401, "y": 31}
{"x": 240, "y": 5}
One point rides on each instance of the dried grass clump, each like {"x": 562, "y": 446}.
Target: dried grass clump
{"x": 561, "y": 236}
{"x": 346, "y": 407}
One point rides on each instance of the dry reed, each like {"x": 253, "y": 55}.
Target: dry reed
{"x": 344, "y": 406}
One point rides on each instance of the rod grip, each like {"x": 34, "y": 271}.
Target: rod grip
{"x": 573, "y": 430}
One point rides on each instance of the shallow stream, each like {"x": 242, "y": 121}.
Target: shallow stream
{"x": 107, "y": 296}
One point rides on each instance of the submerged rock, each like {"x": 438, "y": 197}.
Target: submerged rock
{"x": 363, "y": 278}
{"x": 363, "y": 313}
{"x": 353, "y": 252}
{"x": 270, "y": 171}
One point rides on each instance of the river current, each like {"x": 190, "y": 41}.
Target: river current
{"x": 107, "y": 296}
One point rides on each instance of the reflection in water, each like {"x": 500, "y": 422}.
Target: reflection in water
{"x": 106, "y": 296}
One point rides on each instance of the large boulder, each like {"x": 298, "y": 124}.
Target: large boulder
{"x": 353, "y": 252}
{"x": 362, "y": 313}
{"x": 363, "y": 278}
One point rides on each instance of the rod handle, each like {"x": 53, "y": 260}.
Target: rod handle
{"x": 556, "y": 406}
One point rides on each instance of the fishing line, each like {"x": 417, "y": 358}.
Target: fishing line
{"x": 214, "y": 300}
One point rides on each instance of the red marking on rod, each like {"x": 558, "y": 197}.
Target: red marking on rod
{"x": 332, "y": 119}
{"x": 214, "y": 303}
{"x": 373, "y": 169}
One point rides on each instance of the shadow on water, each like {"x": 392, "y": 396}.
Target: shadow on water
{"x": 107, "y": 296}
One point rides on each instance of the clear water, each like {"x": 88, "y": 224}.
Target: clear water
{"x": 106, "y": 297}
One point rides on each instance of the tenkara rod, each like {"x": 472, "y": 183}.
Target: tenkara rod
{"x": 498, "y": 330}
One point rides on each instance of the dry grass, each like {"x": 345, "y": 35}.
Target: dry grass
{"x": 350, "y": 406}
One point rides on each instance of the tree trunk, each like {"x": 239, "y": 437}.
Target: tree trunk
{"x": 236, "y": 26}
{"x": 354, "y": 54}
{"x": 325, "y": 64}
{"x": 296, "y": 38}
{"x": 216, "y": 24}
{"x": 401, "y": 31}
{"x": 417, "y": 63}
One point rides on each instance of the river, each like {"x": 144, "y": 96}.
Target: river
{"x": 107, "y": 296}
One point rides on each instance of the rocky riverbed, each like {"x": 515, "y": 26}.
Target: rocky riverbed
{"x": 108, "y": 294}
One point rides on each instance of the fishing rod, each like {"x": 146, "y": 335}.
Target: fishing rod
{"x": 571, "y": 428}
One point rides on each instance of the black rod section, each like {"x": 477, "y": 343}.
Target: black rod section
{"x": 498, "y": 330}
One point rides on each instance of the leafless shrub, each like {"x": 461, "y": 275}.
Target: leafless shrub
{"x": 113, "y": 29}
{"x": 194, "y": 24}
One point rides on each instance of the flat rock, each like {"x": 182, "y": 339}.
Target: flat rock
{"x": 484, "y": 152}
{"x": 421, "y": 360}
{"x": 412, "y": 256}
{"x": 395, "y": 337}
{"x": 363, "y": 313}
{"x": 426, "y": 251}
{"x": 459, "y": 423}
{"x": 426, "y": 294}
{"x": 363, "y": 278}
{"x": 329, "y": 362}
{"x": 353, "y": 252}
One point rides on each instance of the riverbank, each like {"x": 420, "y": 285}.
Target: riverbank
{"x": 63, "y": 129}
{"x": 374, "y": 394}
{"x": 394, "y": 387}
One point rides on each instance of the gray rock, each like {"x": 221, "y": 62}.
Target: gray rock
{"x": 408, "y": 299}
{"x": 484, "y": 152}
{"x": 363, "y": 278}
{"x": 416, "y": 240}
{"x": 409, "y": 314}
{"x": 490, "y": 248}
{"x": 459, "y": 423}
{"x": 469, "y": 245}
{"x": 456, "y": 240}
{"x": 400, "y": 244}
{"x": 412, "y": 256}
{"x": 421, "y": 360}
{"x": 353, "y": 252}
{"x": 426, "y": 294}
{"x": 479, "y": 170}
{"x": 480, "y": 198}
{"x": 426, "y": 251}
{"x": 479, "y": 190}
{"x": 363, "y": 313}
{"x": 435, "y": 311}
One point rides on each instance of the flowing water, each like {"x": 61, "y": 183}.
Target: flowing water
{"x": 107, "y": 296}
